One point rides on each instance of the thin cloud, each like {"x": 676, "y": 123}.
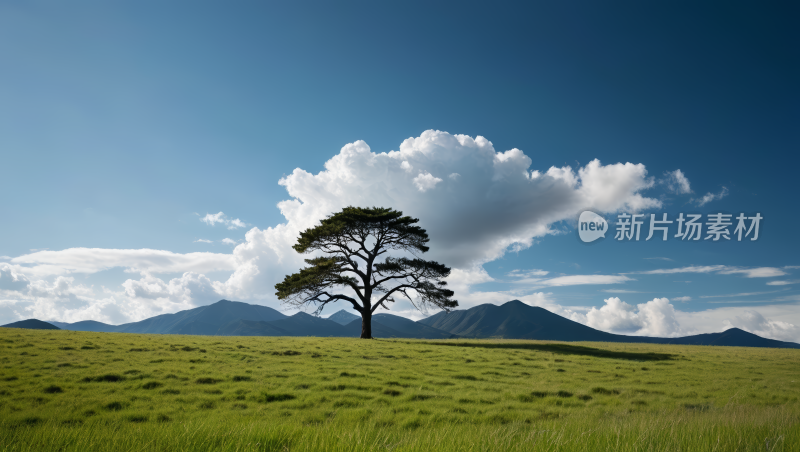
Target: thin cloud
{"x": 93, "y": 260}
{"x": 740, "y": 301}
{"x": 577, "y": 280}
{"x": 740, "y": 294}
{"x": 677, "y": 182}
{"x": 527, "y": 273}
{"x": 202, "y": 241}
{"x": 757, "y": 272}
{"x": 708, "y": 197}
{"x": 782, "y": 283}
{"x": 221, "y": 218}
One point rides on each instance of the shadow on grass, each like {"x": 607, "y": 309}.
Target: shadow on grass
{"x": 563, "y": 349}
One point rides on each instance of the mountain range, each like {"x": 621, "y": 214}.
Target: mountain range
{"x": 512, "y": 320}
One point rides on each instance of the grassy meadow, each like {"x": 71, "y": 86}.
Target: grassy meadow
{"x": 78, "y": 391}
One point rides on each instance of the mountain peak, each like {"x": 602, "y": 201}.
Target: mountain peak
{"x": 514, "y": 302}
{"x": 343, "y": 317}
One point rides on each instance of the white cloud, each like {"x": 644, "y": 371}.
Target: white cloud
{"x": 228, "y": 241}
{"x": 741, "y": 301}
{"x": 406, "y": 166}
{"x": 782, "y": 283}
{"x": 190, "y": 289}
{"x": 708, "y": 197}
{"x": 619, "y": 291}
{"x": 221, "y": 218}
{"x": 760, "y": 272}
{"x": 212, "y": 219}
{"x": 677, "y": 182}
{"x": 425, "y": 182}
{"x": 611, "y": 187}
{"x": 93, "y": 260}
{"x": 203, "y": 241}
{"x": 683, "y": 299}
{"x": 690, "y": 269}
{"x": 757, "y": 272}
{"x": 745, "y": 294}
{"x": 535, "y": 278}
{"x": 527, "y": 273}
{"x": 654, "y": 318}
{"x": 576, "y": 280}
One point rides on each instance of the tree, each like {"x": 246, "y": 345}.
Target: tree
{"x": 351, "y": 242}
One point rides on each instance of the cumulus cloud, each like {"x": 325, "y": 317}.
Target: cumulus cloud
{"x": 221, "y": 218}
{"x": 190, "y": 289}
{"x": 425, "y": 182}
{"x": 228, "y": 241}
{"x": 496, "y": 202}
{"x": 708, "y": 197}
{"x": 654, "y": 318}
{"x": 677, "y": 182}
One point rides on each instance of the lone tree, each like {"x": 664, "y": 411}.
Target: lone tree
{"x": 352, "y": 241}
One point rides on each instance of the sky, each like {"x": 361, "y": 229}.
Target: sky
{"x": 159, "y": 156}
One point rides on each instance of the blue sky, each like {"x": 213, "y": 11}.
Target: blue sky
{"x": 123, "y": 125}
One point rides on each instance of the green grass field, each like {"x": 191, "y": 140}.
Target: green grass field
{"x": 74, "y": 391}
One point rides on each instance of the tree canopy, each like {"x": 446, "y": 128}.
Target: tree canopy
{"x": 352, "y": 243}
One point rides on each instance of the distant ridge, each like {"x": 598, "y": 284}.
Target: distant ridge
{"x": 233, "y": 318}
{"x": 512, "y": 320}
{"x": 31, "y": 324}
{"x": 205, "y": 320}
{"x": 516, "y": 320}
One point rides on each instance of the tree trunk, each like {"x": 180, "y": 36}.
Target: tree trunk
{"x": 366, "y": 325}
